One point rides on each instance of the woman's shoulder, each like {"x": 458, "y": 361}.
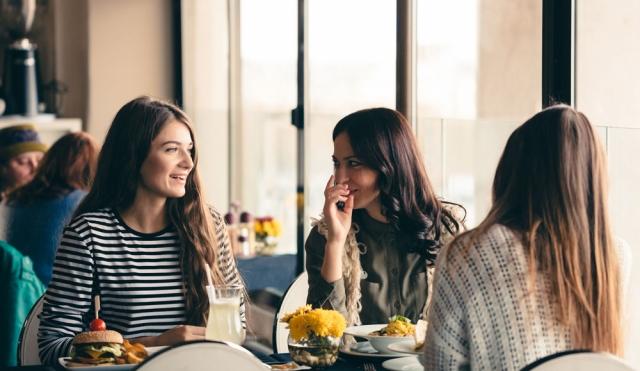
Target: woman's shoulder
{"x": 75, "y": 196}
{"x": 315, "y": 240}
{"x": 217, "y": 217}
{"x": 67, "y": 202}
{"x": 100, "y": 216}
{"x": 215, "y": 214}
{"x": 487, "y": 246}
{"x": 315, "y": 233}
{"x": 481, "y": 259}
{"x": 319, "y": 227}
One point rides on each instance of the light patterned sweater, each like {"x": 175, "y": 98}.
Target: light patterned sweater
{"x": 481, "y": 317}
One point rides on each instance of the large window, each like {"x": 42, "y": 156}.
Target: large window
{"x": 478, "y": 77}
{"x": 263, "y": 170}
{"x": 352, "y": 64}
{"x": 349, "y": 69}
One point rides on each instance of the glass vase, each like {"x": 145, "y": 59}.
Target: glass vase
{"x": 316, "y": 352}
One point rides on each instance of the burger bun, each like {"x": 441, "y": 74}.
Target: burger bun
{"x": 93, "y": 337}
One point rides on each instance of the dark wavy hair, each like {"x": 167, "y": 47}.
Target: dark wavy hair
{"x": 382, "y": 139}
{"x": 125, "y": 148}
{"x": 69, "y": 164}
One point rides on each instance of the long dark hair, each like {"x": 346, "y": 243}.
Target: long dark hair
{"x": 551, "y": 187}
{"x": 382, "y": 139}
{"x": 125, "y": 148}
{"x": 70, "y": 164}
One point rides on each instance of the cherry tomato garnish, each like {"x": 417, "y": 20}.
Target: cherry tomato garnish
{"x": 97, "y": 325}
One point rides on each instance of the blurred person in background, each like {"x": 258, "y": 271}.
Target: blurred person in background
{"x": 35, "y": 214}
{"x": 20, "y": 152}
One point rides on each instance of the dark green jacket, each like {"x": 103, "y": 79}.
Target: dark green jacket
{"x": 20, "y": 288}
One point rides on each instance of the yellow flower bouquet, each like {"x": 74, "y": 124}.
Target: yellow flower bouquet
{"x": 314, "y": 335}
{"x": 267, "y": 230}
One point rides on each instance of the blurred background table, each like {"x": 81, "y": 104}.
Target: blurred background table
{"x": 261, "y": 272}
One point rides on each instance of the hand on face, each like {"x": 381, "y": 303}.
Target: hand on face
{"x": 338, "y": 220}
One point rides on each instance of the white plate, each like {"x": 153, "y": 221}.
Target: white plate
{"x": 298, "y": 367}
{"x": 403, "y": 364}
{"x": 408, "y": 347}
{"x": 364, "y": 349}
{"x": 152, "y": 350}
{"x": 379, "y": 342}
{"x": 363, "y": 331}
{"x": 128, "y": 366}
{"x": 63, "y": 363}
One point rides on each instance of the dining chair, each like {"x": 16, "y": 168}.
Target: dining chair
{"x": 579, "y": 360}
{"x": 203, "y": 355}
{"x": 28, "y": 353}
{"x": 294, "y": 297}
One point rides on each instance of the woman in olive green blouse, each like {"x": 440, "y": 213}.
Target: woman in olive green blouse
{"x": 382, "y": 224}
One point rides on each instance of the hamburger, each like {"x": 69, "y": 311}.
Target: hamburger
{"x": 97, "y": 347}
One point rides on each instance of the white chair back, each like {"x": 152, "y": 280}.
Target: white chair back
{"x": 203, "y": 355}
{"x": 294, "y": 297}
{"x": 586, "y": 361}
{"x": 28, "y": 353}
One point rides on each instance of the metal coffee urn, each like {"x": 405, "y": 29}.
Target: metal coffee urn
{"x": 20, "y": 75}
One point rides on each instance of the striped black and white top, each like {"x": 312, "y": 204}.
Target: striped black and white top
{"x": 137, "y": 275}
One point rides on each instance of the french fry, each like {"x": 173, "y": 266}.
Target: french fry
{"x": 134, "y": 352}
{"x": 132, "y": 358}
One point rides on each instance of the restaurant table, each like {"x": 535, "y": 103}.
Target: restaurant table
{"x": 29, "y": 368}
{"x": 344, "y": 362}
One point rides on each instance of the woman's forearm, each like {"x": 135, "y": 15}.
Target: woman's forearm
{"x": 331, "y": 269}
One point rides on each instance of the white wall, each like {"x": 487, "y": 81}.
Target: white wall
{"x": 205, "y": 85}
{"x": 109, "y": 52}
{"x": 71, "y": 54}
{"x": 129, "y": 54}
{"x": 607, "y": 91}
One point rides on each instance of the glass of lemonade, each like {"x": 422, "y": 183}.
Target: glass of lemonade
{"x": 224, "y": 322}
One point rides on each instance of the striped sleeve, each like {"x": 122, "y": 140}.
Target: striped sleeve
{"x": 226, "y": 260}
{"x": 68, "y": 297}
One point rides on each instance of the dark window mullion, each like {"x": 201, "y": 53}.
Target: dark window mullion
{"x": 557, "y": 49}
{"x": 406, "y": 16}
{"x": 299, "y": 116}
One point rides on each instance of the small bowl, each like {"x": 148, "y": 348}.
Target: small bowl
{"x": 379, "y": 343}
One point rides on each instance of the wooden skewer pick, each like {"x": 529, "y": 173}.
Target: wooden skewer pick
{"x": 96, "y": 303}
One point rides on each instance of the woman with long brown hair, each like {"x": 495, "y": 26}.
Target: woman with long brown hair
{"x": 141, "y": 238}
{"x": 382, "y": 224}
{"x": 541, "y": 274}
{"x": 36, "y": 213}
